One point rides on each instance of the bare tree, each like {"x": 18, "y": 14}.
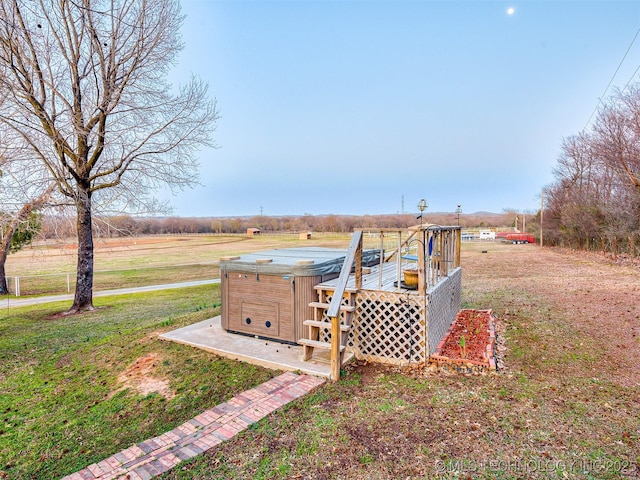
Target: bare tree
{"x": 86, "y": 89}
{"x": 617, "y": 135}
{"x": 576, "y": 163}
{"x": 596, "y": 195}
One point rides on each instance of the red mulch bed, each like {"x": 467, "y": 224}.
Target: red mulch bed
{"x": 469, "y": 344}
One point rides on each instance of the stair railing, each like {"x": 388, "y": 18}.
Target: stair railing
{"x": 354, "y": 254}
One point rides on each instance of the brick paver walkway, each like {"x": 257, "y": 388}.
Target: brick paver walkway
{"x": 157, "y": 455}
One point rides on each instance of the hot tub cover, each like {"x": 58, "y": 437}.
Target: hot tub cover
{"x": 301, "y": 262}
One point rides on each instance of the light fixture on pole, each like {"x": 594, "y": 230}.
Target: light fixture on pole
{"x": 458, "y": 212}
{"x": 422, "y": 205}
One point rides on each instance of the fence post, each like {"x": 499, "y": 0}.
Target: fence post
{"x": 17, "y": 286}
{"x": 68, "y": 284}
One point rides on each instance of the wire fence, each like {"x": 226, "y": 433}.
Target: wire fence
{"x": 65, "y": 282}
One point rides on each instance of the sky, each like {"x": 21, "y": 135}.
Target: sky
{"x": 365, "y": 107}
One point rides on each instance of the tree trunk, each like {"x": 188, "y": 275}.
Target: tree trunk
{"x": 84, "y": 277}
{"x": 4, "y": 251}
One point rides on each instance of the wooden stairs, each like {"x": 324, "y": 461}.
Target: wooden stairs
{"x": 335, "y": 317}
{"x": 319, "y": 328}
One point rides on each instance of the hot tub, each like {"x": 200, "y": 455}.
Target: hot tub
{"x": 267, "y": 294}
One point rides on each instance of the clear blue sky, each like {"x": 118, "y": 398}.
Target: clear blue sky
{"x": 345, "y": 107}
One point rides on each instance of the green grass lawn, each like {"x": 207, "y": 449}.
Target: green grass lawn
{"x": 555, "y": 411}
{"x": 60, "y": 404}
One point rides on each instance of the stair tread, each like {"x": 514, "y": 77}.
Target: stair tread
{"x": 317, "y": 344}
{"x": 321, "y": 324}
{"x": 344, "y": 308}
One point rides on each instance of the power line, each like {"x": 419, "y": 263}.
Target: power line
{"x": 612, "y": 77}
{"x": 634, "y": 74}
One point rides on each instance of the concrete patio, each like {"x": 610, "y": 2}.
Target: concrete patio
{"x": 209, "y": 335}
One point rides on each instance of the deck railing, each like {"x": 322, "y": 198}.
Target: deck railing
{"x": 437, "y": 254}
{"x": 437, "y": 251}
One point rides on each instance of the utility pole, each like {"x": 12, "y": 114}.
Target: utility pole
{"x": 541, "y": 212}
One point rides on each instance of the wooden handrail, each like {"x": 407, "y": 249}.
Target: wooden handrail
{"x": 354, "y": 248}
{"x": 333, "y": 312}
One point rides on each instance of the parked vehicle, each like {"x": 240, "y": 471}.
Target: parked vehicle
{"x": 519, "y": 238}
{"x": 487, "y": 235}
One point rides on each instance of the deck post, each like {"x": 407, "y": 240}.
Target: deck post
{"x": 359, "y": 265}
{"x": 399, "y": 263}
{"x": 443, "y": 253}
{"x": 336, "y": 358}
{"x": 458, "y": 241}
{"x": 446, "y": 255}
{"x": 422, "y": 246}
{"x": 381, "y": 258}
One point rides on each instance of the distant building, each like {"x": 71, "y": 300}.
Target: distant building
{"x": 253, "y": 231}
{"x": 304, "y": 236}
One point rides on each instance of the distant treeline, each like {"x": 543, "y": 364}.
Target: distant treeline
{"x": 117, "y": 226}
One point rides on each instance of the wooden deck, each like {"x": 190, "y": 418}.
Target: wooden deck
{"x": 375, "y": 280}
{"x": 390, "y": 322}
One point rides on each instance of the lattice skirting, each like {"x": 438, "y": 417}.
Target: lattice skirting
{"x": 444, "y": 304}
{"x": 395, "y": 328}
{"x": 389, "y": 328}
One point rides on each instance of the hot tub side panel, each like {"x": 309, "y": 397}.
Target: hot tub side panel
{"x": 224, "y": 300}
{"x": 260, "y": 305}
{"x": 305, "y": 293}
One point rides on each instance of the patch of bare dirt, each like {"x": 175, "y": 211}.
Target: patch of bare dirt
{"x": 370, "y": 371}
{"x": 152, "y": 337}
{"x": 140, "y": 376}
{"x": 64, "y": 361}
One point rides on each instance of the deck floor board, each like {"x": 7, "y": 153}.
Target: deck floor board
{"x": 371, "y": 280}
